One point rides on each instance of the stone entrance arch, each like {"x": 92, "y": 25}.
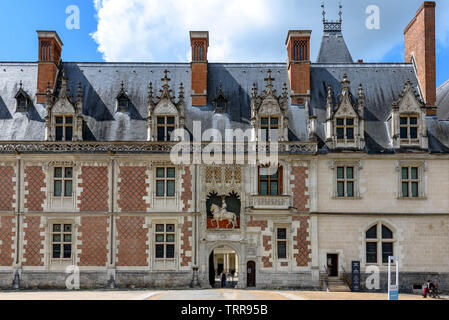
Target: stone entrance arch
{"x": 241, "y": 278}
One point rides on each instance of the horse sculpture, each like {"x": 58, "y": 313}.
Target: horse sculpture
{"x": 221, "y": 214}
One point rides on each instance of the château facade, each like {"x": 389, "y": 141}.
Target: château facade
{"x": 87, "y": 178}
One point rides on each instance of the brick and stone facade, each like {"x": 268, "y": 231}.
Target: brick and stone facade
{"x": 131, "y": 216}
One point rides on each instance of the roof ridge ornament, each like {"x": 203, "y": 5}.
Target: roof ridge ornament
{"x": 332, "y": 26}
{"x": 166, "y": 91}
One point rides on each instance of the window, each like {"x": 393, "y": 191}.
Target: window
{"x": 300, "y": 51}
{"x": 165, "y": 127}
{"x": 63, "y": 182}
{"x": 409, "y": 129}
{"x": 374, "y": 244}
{"x": 123, "y": 103}
{"x": 165, "y": 241}
{"x": 345, "y": 129}
{"x": 345, "y": 182}
{"x": 61, "y": 238}
{"x": 64, "y": 128}
{"x": 270, "y": 128}
{"x": 270, "y": 181}
{"x": 410, "y": 182}
{"x": 165, "y": 182}
{"x": 281, "y": 243}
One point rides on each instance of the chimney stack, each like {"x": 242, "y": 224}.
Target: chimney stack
{"x": 199, "y": 41}
{"x": 419, "y": 39}
{"x": 298, "y": 48}
{"x": 50, "y": 48}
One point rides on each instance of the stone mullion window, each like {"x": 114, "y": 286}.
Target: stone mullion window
{"x": 346, "y": 183}
{"x": 165, "y": 241}
{"x": 345, "y": 129}
{"x": 165, "y": 182}
{"x": 410, "y": 182}
{"x": 164, "y": 127}
{"x": 270, "y": 182}
{"x": 64, "y": 128}
{"x": 269, "y": 128}
{"x": 281, "y": 243}
{"x": 379, "y": 244}
{"x": 409, "y": 129}
{"x": 411, "y": 179}
{"x": 63, "y": 182}
{"x": 61, "y": 241}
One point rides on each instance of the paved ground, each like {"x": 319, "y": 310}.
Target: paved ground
{"x": 224, "y": 294}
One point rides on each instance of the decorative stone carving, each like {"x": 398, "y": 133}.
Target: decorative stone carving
{"x": 409, "y": 104}
{"x": 345, "y": 111}
{"x": 269, "y": 105}
{"x": 165, "y": 105}
{"x": 60, "y": 103}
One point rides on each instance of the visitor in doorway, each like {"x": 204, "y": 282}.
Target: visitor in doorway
{"x": 223, "y": 279}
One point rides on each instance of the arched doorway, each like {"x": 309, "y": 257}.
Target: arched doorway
{"x": 251, "y": 274}
{"x": 223, "y": 258}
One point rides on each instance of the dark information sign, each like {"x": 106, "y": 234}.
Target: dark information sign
{"x": 355, "y": 276}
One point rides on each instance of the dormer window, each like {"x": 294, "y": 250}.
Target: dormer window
{"x": 22, "y": 100}
{"x": 409, "y": 129}
{"x": 123, "y": 100}
{"x": 345, "y": 129}
{"x": 64, "y": 128}
{"x": 165, "y": 127}
{"x": 408, "y": 120}
{"x": 220, "y": 101}
{"x": 270, "y": 128}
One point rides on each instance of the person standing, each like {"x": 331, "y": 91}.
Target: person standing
{"x": 223, "y": 279}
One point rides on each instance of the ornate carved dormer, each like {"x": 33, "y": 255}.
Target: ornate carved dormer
{"x": 123, "y": 100}
{"x": 345, "y": 126}
{"x": 269, "y": 119}
{"x": 220, "y": 101}
{"x": 23, "y": 100}
{"x": 165, "y": 114}
{"x": 64, "y": 119}
{"x": 409, "y": 128}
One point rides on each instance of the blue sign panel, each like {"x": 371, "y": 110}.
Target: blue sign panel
{"x": 393, "y": 293}
{"x": 355, "y": 276}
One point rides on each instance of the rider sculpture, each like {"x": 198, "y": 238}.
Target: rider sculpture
{"x": 221, "y": 214}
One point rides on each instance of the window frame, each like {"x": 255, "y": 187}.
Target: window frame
{"x": 63, "y": 180}
{"x": 165, "y": 243}
{"x": 422, "y": 185}
{"x": 357, "y": 166}
{"x": 165, "y": 181}
{"x": 280, "y": 181}
{"x": 345, "y": 128}
{"x": 285, "y": 241}
{"x": 380, "y": 241}
{"x": 269, "y": 128}
{"x": 346, "y": 181}
{"x": 165, "y": 126}
{"x": 408, "y": 126}
{"x": 62, "y": 242}
{"x": 64, "y": 125}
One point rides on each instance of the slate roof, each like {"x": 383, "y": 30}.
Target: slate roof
{"x": 443, "y": 101}
{"x": 333, "y": 49}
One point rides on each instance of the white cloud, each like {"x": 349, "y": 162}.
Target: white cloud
{"x": 246, "y": 30}
{"x": 143, "y": 30}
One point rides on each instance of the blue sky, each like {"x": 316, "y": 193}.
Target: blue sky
{"x": 240, "y": 31}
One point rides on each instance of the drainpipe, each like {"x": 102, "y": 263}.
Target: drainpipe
{"x": 17, "y": 268}
{"x": 195, "y": 283}
{"x": 111, "y": 268}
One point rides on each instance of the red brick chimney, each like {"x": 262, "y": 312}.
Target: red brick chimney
{"x": 50, "y": 48}
{"x": 199, "y": 41}
{"x": 420, "y": 48}
{"x": 298, "y": 48}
